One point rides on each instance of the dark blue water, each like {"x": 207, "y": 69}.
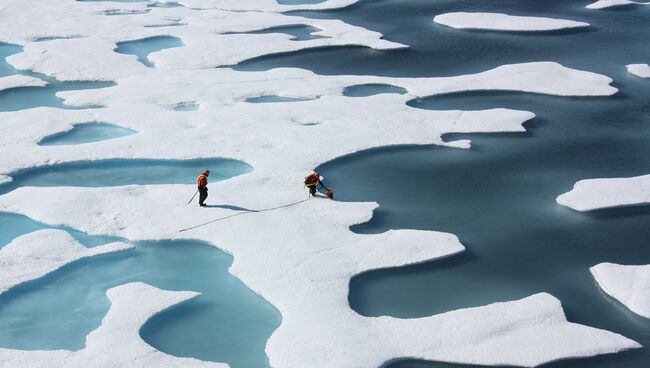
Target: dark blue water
{"x": 365, "y": 90}
{"x": 499, "y": 197}
{"x": 86, "y": 133}
{"x": 143, "y": 47}
{"x": 108, "y": 173}
{"x": 617, "y": 38}
{"x": 29, "y": 97}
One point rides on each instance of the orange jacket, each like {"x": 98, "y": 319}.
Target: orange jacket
{"x": 202, "y": 180}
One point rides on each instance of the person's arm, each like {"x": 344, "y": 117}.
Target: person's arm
{"x": 322, "y": 185}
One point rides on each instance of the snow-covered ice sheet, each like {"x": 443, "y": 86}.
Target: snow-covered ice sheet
{"x": 300, "y": 258}
{"x": 630, "y": 285}
{"x": 640, "y": 70}
{"x": 593, "y": 194}
{"x": 117, "y": 342}
{"x": 505, "y": 22}
{"x": 17, "y": 81}
{"x": 36, "y": 254}
{"x": 308, "y": 280}
{"x": 234, "y": 127}
{"x": 202, "y": 32}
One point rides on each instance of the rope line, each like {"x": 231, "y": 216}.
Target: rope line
{"x": 243, "y": 213}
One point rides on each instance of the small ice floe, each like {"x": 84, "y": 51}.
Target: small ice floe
{"x": 605, "y": 4}
{"x": 640, "y": 70}
{"x": 630, "y": 285}
{"x": 505, "y": 22}
{"x": 36, "y": 254}
{"x": 594, "y": 194}
{"x": 17, "y": 81}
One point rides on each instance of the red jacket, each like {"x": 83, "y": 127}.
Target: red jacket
{"x": 202, "y": 180}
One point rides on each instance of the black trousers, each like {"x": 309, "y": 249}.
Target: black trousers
{"x": 203, "y": 194}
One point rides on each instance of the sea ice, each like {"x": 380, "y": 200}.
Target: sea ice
{"x": 117, "y": 342}
{"x": 17, "y": 81}
{"x": 593, "y": 194}
{"x": 630, "y": 285}
{"x": 640, "y": 70}
{"x": 308, "y": 280}
{"x": 36, "y": 254}
{"x": 300, "y": 258}
{"x": 605, "y": 4}
{"x": 504, "y": 22}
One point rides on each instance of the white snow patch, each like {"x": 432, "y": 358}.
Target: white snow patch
{"x": 117, "y": 342}
{"x": 604, "y": 4}
{"x": 17, "y": 81}
{"x": 5, "y": 179}
{"x": 640, "y": 70}
{"x": 36, "y": 254}
{"x": 505, "y": 22}
{"x": 630, "y": 285}
{"x": 593, "y": 194}
{"x": 307, "y": 277}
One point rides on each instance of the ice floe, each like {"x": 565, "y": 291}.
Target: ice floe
{"x": 17, "y": 81}
{"x": 66, "y": 58}
{"x": 36, "y": 254}
{"x": 640, "y": 70}
{"x": 505, "y": 22}
{"x": 117, "y": 342}
{"x": 300, "y": 256}
{"x": 308, "y": 280}
{"x": 593, "y": 194}
{"x": 229, "y": 122}
{"x": 630, "y": 285}
{"x": 605, "y": 4}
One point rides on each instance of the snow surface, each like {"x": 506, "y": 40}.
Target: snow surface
{"x": 593, "y": 194}
{"x": 308, "y": 280}
{"x": 505, "y": 22}
{"x": 300, "y": 258}
{"x": 117, "y": 342}
{"x": 36, "y": 254}
{"x": 605, "y": 4}
{"x": 630, "y": 285}
{"x": 17, "y": 81}
{"x": 640, "y": 70}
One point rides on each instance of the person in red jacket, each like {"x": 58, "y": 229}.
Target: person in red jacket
{"x": 202, "y": 182}
{"x": 313, "y": 180}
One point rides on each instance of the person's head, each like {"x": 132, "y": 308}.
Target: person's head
{"x": 206, "y": 173}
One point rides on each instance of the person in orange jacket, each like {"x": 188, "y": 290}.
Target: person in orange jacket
{"x": 313, "y": 180}
{"x": 202, "y": 182}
